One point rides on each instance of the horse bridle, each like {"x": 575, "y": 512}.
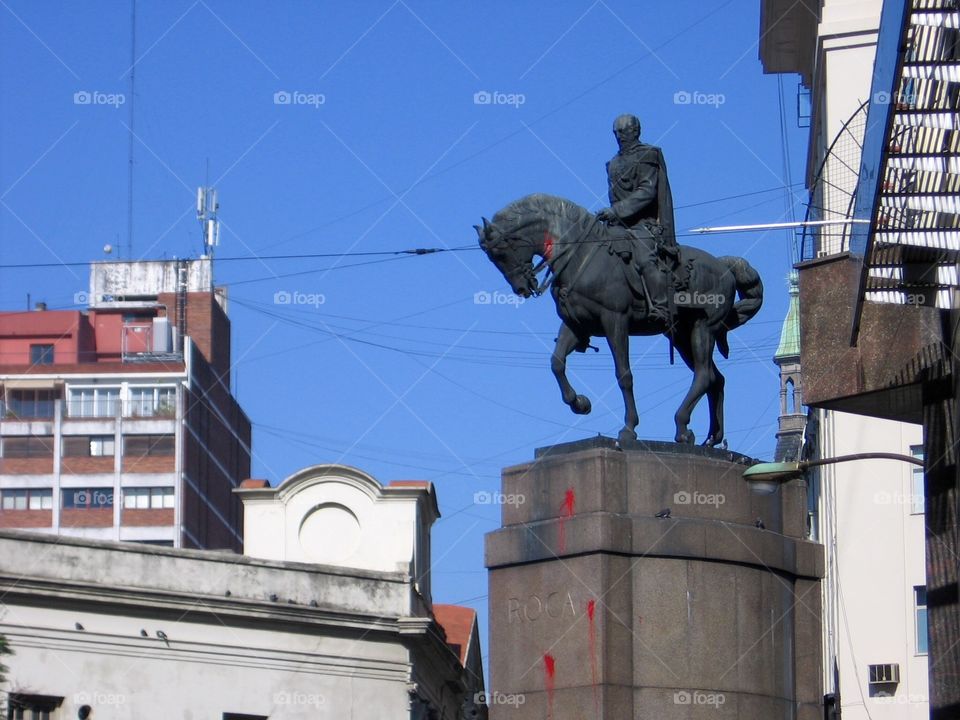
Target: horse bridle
{"x": 529, "y": 272}
{"x": 566, "y": 257}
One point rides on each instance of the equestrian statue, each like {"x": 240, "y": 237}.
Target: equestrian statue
{"x": 620, "y": 272}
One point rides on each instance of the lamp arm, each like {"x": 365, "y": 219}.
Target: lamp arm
{"x": 804, "y": 464}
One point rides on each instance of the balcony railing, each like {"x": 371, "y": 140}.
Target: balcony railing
{"x": 152, "y": 410}
{"x": 87, "y": 409}
{"x": 100, "y": 408}
{"x": 27, "y": 410}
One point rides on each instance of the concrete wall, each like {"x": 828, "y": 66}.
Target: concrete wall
{"x": 340, "y": 515}
{"x": 325, "y": 645}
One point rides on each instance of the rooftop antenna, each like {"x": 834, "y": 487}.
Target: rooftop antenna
{"x": 207, "y": 207}
{"x": 132, "y": 101}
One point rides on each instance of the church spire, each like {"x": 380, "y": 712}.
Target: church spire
{"x": 787, "y": 358}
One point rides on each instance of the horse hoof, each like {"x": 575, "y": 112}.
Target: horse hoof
{"x": 712, "y": 441}
{"x": 581, "y": 405}
{"x": 626, "y": 436}
{"x": 685, "y": 438}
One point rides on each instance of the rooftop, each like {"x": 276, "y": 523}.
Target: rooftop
{"x": 458, "y": 623}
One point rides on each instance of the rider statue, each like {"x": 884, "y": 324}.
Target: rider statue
{"x": 640, "y": 200}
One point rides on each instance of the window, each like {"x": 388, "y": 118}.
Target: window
{"x": 88, "y": 446}
{"x": 153, "y": 401}
{"x": 27, "y": 499}
{"x": 916, "y": 482}
{"x": 148, "y": 445}
{"x": 30, "y": 403}
{"x": 151, "y": 498}
{"x": 94, "y": 402}
{"x": 97, "y": 498}
{"x": 28, "y": 446}
{"x": 32, "y": 707}
{"x": 41, "y": 354}
{"x": 920, "y": 610}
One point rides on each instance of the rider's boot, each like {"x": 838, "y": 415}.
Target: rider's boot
{"x": 655, "y": 281}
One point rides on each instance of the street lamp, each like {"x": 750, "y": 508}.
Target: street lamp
{"x": 765, "y": 478}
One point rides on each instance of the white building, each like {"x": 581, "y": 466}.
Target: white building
{"x": 868, "y": 514}
{"x": 330, "y": 618}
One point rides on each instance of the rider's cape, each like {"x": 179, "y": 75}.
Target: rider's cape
{"x": 639, "y": 191}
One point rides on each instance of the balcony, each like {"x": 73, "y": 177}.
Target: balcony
{"x": 29, "y": 404}
{"x": 139, "y": 403}
{"x": 164, "y": 409}
{"x": 89, "y": 409}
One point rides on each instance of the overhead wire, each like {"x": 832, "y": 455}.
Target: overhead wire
{"x": 513, "y": 357}
{"x": 385, "y": 255}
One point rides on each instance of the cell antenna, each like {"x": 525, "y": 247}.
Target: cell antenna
{"x": 207, "y": 207}
{"x": 131, "y": 102}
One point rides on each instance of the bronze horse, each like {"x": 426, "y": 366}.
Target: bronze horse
{"x": 598, "y": 294}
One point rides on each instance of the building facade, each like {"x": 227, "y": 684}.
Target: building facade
{"x": 118, "y": 422}
{"x": 868, "y": 514}
{"x": 106, "y": 629}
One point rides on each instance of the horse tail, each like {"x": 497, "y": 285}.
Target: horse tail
{"x": 750, "y": 298}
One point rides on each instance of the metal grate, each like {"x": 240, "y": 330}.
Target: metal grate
{"x": 834, "y": 190}
{"x": 912, "y": 243}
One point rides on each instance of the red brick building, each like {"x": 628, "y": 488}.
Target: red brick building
{"x": 118, "y": 422}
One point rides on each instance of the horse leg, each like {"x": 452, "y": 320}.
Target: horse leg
{"x": 697, "y": 352}
{"x": 618, "y": 339}
{"x": 715, "y": 399}
{"x": 567, "y": 340}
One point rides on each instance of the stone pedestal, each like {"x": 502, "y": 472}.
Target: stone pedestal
{"x": 600, "y": 609}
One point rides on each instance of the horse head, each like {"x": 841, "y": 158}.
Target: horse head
{"x": 511, "y": 256}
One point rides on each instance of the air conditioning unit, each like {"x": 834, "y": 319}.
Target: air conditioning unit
{"x": 884, "y": 674}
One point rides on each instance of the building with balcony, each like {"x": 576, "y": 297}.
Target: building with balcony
{"x": 117, "y": 422}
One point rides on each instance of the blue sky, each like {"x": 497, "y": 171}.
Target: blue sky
{"x": 382, "y": 147}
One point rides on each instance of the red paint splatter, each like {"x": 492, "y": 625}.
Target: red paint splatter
{"x": 591, "y": 613}
{"x": 547, "y": 245}
{"x": 550, "y": 672}
{"x": 566, "y": 511}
